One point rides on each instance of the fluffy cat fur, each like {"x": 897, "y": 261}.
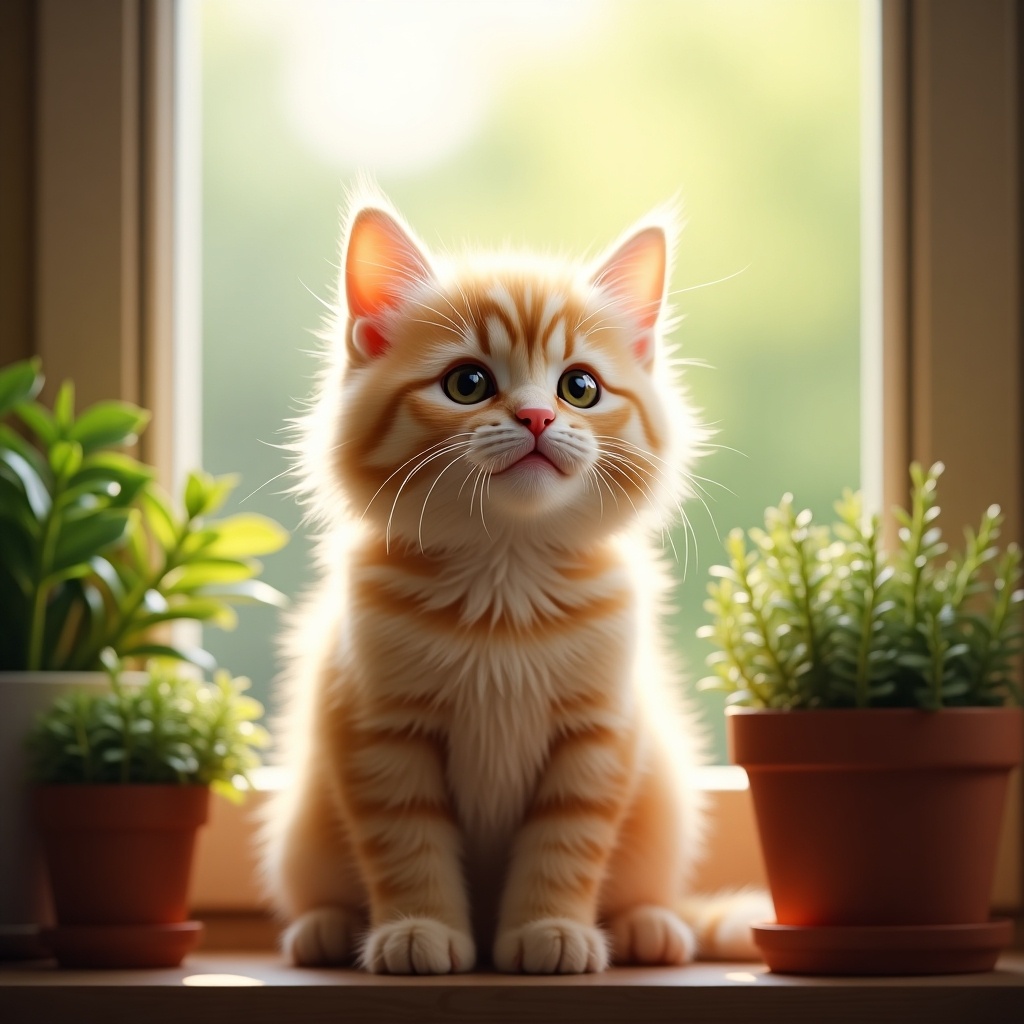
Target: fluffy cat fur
{"x": 490, "y": 759}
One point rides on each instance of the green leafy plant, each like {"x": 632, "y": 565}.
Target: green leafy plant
{"x": 173, "y": 728}
{"x": 92, "y": 553}
{"x": 808, "y": 616}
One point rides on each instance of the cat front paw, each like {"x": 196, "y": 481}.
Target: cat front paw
{"x": 551, "y": 945}
{"x": 651, "y": 935}
{"x": 323, "y": 937}
{"x": 417, "y": 945}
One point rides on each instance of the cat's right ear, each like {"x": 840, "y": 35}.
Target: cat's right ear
{"x": 383, "y": 264}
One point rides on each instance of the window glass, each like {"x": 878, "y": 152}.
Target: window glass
{"x": 548, "y": 124}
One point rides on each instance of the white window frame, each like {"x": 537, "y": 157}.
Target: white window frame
{"x": 88, "y": 279}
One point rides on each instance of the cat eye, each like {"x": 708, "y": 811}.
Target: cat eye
{"x": 468, "y": 385}
{"x": 578, "y": 388}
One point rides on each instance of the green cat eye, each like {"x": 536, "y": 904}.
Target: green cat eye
{"x": 578, "y": 388}
{"x": 468, "y": 384}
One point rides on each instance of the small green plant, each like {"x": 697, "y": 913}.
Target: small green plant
{"x": 808, "y": 616}
{"x": 92, "y": 553}
{"x": 173, "y": 728}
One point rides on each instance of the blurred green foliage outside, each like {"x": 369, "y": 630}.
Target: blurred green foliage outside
{"x": 747, "y": 111}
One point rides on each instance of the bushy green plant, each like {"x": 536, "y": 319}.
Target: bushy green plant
{"x": 809, "y": 616}
{"x": 92, "y": 553}
{"x": 173, "y": 728}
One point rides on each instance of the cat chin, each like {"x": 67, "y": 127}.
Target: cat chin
{"x": 531, "y": 487}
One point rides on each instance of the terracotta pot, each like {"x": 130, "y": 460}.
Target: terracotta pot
{"x": 23, "y": 902}
{"x": 879, "y": 819}
{"x": 119, "y": 859}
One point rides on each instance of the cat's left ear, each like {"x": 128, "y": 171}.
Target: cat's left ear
{"x": 383, "y": 264}
{"x": 635, "y": 273}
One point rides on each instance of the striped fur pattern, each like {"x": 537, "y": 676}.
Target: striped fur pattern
{"x": 489, "y": 758}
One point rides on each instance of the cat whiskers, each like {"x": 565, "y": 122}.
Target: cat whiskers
{"x": 484, "y": 471}
{"x": 591, "y": 475}
{"x": 426, "y": 456}
{"x": 639, "y": 475}
{"x": 699, "y": 492}
{"x": 418, "y": 455}
{"x": 423, "y": 511}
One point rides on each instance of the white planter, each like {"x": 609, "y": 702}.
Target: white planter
{"x": 23, "y": 901}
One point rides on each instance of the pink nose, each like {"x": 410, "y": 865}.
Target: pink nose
{"x": 538, "y": 420}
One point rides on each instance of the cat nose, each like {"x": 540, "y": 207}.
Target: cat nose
{"x": 537, "y": 419}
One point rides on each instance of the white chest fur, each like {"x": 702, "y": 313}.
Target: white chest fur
{"x": 527, "y": 635}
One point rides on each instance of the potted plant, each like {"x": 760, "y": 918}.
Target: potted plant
{"x": 869, "y": 695}
{"x": 122, "y": 783}
{"x": 93, "y": 555}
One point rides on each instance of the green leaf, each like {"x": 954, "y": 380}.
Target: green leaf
{"x": 240, "y": 536}
{"x": 14, "y": 505}
{"x": 247, "y": 592}
{"x": 195, "y": 493}
{"x": 205, "y": 494}
{"x": 195, "y": 655}
{"x": 219, "y": 491}
{"x": 17, "y": 556}
{"x": 196, "y": 543}
{"x": 19, "y": 382}
{"x": 39, "y": 420}
{"x": 81, "y": 538}
{"x": 193, "y": 575}
{"x": 65, "y": 458}
{"x": 110, "y": 577}
{"x": 64, "y": 408}
{"x": 29, "y": 452}
{"x": 20, "y": 471}
{"x": 107, "y": 424}
{"x": 118, "y": 476}
{"x": 159, "y": 518}
{"x": 198, "y": 610}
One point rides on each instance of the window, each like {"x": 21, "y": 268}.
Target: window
{"x": 553, "y": 125}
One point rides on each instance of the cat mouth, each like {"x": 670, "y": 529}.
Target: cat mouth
{"x": 532, "y": 459}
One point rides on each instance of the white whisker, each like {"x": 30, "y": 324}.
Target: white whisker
{"x": 708, "y": 284}
{"x": 423, "y": 511}
{"x": 284, "y": 472}
{"x": 406, "y": 463}
{"x": 412, "y": 472}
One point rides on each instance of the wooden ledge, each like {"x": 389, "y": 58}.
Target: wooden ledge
{"x": 258, "y": 987}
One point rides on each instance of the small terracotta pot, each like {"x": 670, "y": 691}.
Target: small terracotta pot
{"x": 119, "y": 859}
{"x": 878, "y": 819}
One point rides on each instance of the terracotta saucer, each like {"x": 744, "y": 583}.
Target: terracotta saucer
{"x": 123, "y": 945}
{"x": 918, "y": 949}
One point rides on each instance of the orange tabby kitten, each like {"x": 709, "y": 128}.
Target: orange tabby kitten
{"x": 488, "y": 758}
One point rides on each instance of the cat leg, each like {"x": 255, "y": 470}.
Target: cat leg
{"x": 548, "y": 916}
{"x": 640, "y": 895}
{"x": 408, "y": 845}
{"x": 314, "y": 879}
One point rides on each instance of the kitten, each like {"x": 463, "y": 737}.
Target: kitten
{"x": 489, "y": 756}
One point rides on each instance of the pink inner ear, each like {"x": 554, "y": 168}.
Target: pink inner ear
{"x": 636, "y": 273}
{"x": 381, "y": 263}
{"x": 367, "y": 339}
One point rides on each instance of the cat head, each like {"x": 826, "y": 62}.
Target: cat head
{"x": 488, "y": 396}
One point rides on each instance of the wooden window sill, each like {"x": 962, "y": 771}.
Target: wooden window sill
{"x": 258, "y": 987}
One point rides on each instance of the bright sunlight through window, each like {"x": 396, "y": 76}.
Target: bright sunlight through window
{"x": 554, "y": 125}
